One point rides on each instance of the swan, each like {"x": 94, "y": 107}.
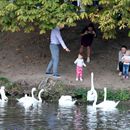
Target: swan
{"x": 90, "y": 93}
{"x": 66, "y": 101}
{"x": 106, "y": 104}
{"x": 26, "y": 99}
{"x": 39, "y": 95}
{"x": 4, "y": 98}
{"x": 110, "y": 102}
{"x": 28, "y": 102}
{"x": 35, "y": 101}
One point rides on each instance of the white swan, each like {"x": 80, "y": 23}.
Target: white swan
{"x": 39, "y": 95}
{"x": 106, "y": 104}
{"x": 26, "y": 99}
{"x": 28, "y": 102}
{"x": 66, "y": 101}
{"x": 4, "y": 98}
{"x": 90, "y": 93}
{"x": 35, "y": 101}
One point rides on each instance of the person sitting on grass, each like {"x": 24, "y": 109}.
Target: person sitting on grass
{"x": 79, "y": 67}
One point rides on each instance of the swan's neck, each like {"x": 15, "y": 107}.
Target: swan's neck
{"x": 3, "y": 96}
{"x": 105, "y": 94}
{"x": 39, "y": 96}
{"x": 92, "y": 82}
{"x": 95, "y": 100}
{"x": 32, "y": 93}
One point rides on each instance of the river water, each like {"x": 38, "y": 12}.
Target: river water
{"x": 49, "y": 116}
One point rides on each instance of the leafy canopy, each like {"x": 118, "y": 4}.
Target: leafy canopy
{"x": 110, "y": 15}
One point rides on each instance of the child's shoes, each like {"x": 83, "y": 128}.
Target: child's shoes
{"x": 81, "y": 79}
{"x": 77, "y": 79}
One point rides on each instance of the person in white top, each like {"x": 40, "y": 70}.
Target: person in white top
{"x": 79, "y": 67}
{"x": 121, "y": 53}
{"x": 126, "y": 64}
{"x": 56, "y": 41}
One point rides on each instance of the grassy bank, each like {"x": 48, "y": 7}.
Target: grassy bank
{"x": 53, "y": 92}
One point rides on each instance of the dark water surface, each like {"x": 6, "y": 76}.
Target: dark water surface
{"x": 51, "y": 117}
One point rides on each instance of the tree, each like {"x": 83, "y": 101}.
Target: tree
{"x": 110, "y": 15}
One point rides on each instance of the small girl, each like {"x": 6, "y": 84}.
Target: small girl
{"x": 126, "y": 64}
{"x": 79, "y": 67}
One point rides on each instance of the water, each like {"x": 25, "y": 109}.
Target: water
{"x": 50, "y": 117}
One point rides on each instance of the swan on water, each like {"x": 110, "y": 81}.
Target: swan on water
{"x": 66, "y": 101}
{"x": 27, "y": 101}
{"x": 4, "y": 98}
{"x": 106, "y": 104}
{"x": 27, "y": 98}
{"x": 39, "y": 100}
{"x": 90, "y": 93}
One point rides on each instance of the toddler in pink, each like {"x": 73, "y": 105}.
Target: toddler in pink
{"x": 79, "y": 67}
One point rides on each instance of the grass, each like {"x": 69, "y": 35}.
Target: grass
{"x": 59, "y": 89}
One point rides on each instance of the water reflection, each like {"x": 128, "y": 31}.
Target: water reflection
{"x": 91, "y": 118}
{"x": 108, "y": 118}
{"x": 53, "y": 117}
{"x": 78, "y": 119}
{"x": 2, "y": 111}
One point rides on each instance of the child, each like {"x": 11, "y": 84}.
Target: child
{"x": 126, "y": 64}
{"x": 79, "y": 68}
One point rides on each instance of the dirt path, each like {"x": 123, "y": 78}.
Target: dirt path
{"x": 25, "y": 57}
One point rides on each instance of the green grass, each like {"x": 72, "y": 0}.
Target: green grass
{"x": 59, "y": 89}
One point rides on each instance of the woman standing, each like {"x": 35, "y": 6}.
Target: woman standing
{"x": 87, "y": 37}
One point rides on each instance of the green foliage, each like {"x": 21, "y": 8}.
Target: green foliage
{"x": 120, "y": 94}
{"x": 80, "y": 92}
{"x": 5, "y": 82}
{"x": 27, "y": 15}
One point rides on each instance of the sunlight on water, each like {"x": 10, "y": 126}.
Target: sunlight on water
{"x": 51, "y": 117}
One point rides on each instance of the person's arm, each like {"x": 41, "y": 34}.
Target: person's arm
{"x": 84, "y": 64}
{"x": 123, "y": 59}
{"x": 75, "y": 62}
{"x": 127, "y": 60}
{"x": 86, "y": 32}
{"x": 58, "y": 35}
{"x": 119, "y": 58}
{"x": 94, "y": 33}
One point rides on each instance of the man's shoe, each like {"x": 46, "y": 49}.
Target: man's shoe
{"x": 49, "y": 73}
{"x": 57, "y": 76}
{"x": 120, "y": 73}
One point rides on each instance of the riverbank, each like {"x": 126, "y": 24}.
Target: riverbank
{"x": 53, "y": 89}
{"x": 24, "y": 58}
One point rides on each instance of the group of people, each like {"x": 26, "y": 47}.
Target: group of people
{"x": 124, "y": 62}
{"x": 56, "y": 41}
{"x": 87, "y": 37}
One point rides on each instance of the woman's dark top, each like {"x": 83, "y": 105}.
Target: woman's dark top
{"x": 87, "y": 39}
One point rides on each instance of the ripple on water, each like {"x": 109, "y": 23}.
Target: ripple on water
{"x": 51, "y": 117}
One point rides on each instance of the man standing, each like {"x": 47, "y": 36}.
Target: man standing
{"x": 56, "y": 41}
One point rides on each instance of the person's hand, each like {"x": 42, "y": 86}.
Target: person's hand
{"x": 67, "y": 50}
{"x": 127, "y": 61}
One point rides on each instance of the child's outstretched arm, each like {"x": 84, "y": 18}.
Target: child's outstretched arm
{"x": 75, "y": 62}
{"x": 84, "y": 64}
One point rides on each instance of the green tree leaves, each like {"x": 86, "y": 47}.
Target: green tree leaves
{"x": 46, "y": 14}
